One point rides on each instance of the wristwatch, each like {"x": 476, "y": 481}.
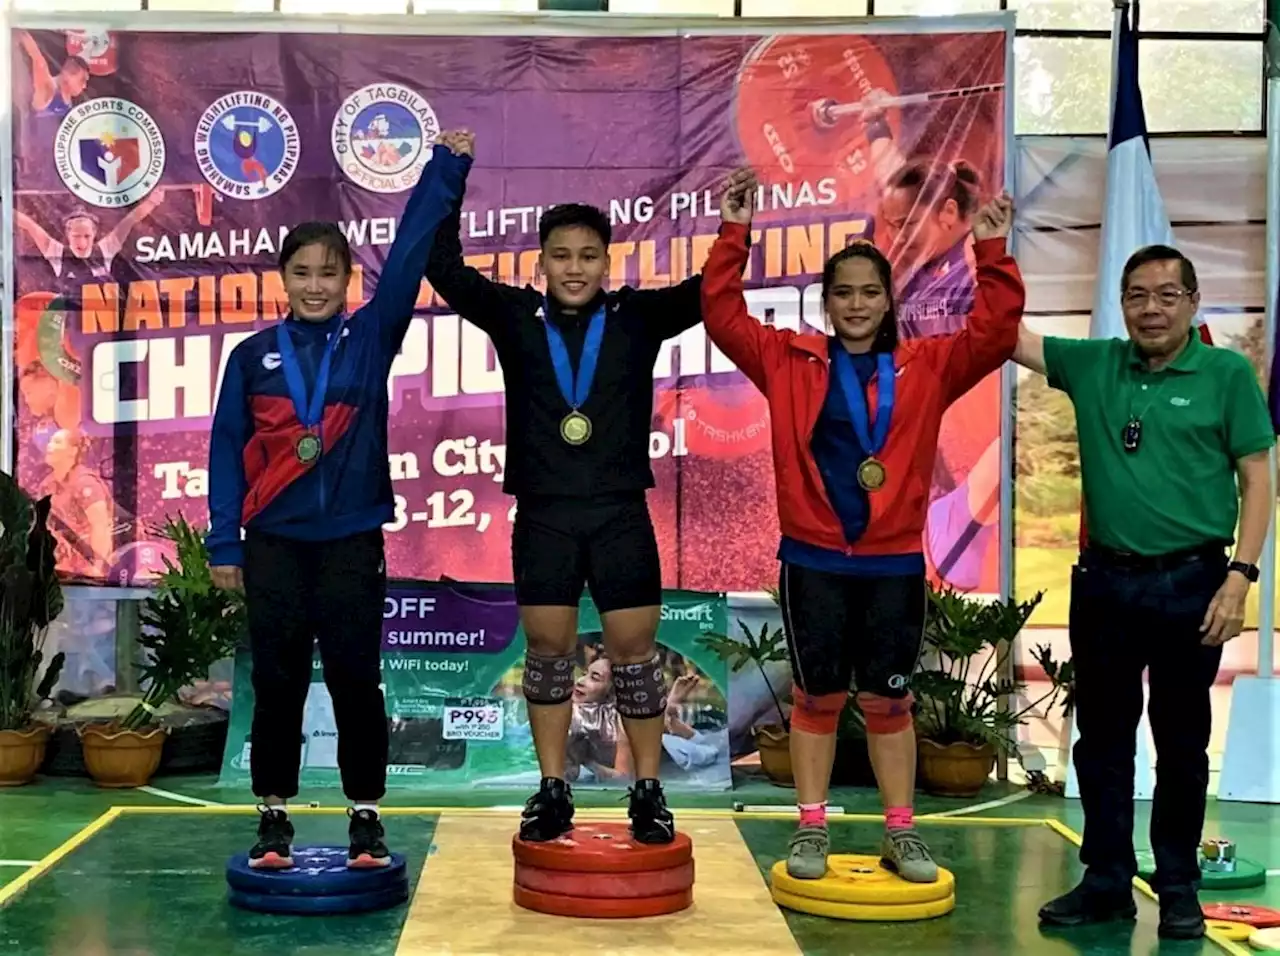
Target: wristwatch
{"x": 1250, "y": 571}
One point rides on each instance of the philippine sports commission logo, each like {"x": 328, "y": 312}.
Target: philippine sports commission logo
{"x": 382, "y": 137}
{"x": 109, "y": 152}
{"x": 247, "y": 145}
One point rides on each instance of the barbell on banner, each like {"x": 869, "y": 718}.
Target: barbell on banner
{"x": 229, "y": 122}
{"x": 827, "y": 112}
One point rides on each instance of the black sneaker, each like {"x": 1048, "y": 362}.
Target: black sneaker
{"x": 367, "y": 846}
{"x": 1180, "y": 915}
{"x": 1085, "y": 905}
{"x": 548, "y": 814}
{"x": 274, "y": 849}
{"x": 651, "y": 821}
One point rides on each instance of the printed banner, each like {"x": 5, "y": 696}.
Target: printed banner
{"x": 452, "y": 659}
{"x": 156, "y": 174}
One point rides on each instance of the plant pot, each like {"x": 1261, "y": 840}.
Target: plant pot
{"x": 954, "y": 770}
{"x": 118, "y": 759}
{"x": 21, "y": 753}
{"x": 774, "y": 744}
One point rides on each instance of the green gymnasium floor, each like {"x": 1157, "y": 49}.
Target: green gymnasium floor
{"x": 79, "y": 878}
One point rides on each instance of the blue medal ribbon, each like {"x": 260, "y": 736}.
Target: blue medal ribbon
{"x": 856, "y": 402}
{"x": 575, "y": 389}
{"x": 310, "y": 411}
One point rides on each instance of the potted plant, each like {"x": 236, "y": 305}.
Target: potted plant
{"x": 960, "y": 726}
{"x": 30, "y": 599}
{"x": 188, "y": 625}
{"x": 852, "y": 765}
{"x": 773, "y": 739}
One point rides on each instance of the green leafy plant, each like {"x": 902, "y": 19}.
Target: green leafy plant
{"x": 188, "y": 624}
{"x": 768, "y": 647}
{"x": 960, "y": 694}
{"x": 30, "y": 600}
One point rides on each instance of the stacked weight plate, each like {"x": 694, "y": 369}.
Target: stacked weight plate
{"x": 859, "y": 888}
{"x": 318, "y": 883}
{"x": 598, "y": 870}
{"x": 1247, "y": 875}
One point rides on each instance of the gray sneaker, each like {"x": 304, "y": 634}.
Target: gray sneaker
{"x": 808, "y": 857}
{"x": 905, "y": 853}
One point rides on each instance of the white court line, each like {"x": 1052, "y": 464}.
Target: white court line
{"x": 180, "y": 798}
{"x": 978, "y": 807}
{"x": 23, "y": 863}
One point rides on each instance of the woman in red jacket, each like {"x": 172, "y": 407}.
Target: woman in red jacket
{"x": 855, "y": 418}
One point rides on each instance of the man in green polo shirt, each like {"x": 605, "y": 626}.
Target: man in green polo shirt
{"x": 1174, "y": 445}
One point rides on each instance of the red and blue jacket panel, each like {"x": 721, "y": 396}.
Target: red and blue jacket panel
{"x": 256, "y": 480}
{"x": 792, "y": 370}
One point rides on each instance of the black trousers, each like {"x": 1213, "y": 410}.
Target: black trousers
{"x": 843, "y": 629}
{"x": 1127, "y": 616}
{"x": 298, "y": 593}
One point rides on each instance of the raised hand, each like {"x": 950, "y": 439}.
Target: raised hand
{"x": 460, "y": 142}
{"x": 994, "y": 220}
{"x": 738, "y": 198}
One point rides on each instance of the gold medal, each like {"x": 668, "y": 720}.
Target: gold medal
{"x": 575, "y": 428}
{"x": 871, "y": 474}
{"x": 308, "y": 448}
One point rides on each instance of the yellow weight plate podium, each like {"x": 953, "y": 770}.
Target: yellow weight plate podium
{"x": 858, "y": 888}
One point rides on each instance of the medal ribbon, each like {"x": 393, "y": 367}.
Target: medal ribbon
{"x": 856, "y": 402}
{"x": 574, "y": 389}
{"x": 310, "y": 412}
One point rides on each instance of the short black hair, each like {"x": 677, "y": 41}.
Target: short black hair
{"x": 886, "y": 339}
{"x": 1160, "y": 253}
{"x": 325, "y": 234}
{"x": 575, "y": 214}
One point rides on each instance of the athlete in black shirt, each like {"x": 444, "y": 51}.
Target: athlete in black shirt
{"x": 578, "y": 366}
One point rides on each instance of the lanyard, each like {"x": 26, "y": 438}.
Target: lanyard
{"x": 310, "y": 413}
{"x": 856, "y": 402}
{"x": 574, "y": 389}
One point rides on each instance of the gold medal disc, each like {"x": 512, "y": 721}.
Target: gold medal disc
{"x": 871, "y": 474}
{"x": 575, "y": 428}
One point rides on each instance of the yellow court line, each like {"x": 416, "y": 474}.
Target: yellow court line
{"x": 51, "y": 859}
{"x": 463, "y": 903}
{"x": 1145, "y": 889}
{"x": 596, "y": 813}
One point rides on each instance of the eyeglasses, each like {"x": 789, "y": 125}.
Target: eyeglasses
{"x": 1165, "y": 298}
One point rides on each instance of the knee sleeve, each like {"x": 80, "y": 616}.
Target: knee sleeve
{"x": 548, "y": 680}
{"x": 817, "y": 714}
{"x": 886, "y": 715}
{"x": 640, "y": 690}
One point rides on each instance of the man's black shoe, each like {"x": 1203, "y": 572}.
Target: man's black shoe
{"x": 1180, "y": 915}
{"x": 651, "y": 821}
{"x": 1084, "y": 906}
{"x": 548, "y": 814}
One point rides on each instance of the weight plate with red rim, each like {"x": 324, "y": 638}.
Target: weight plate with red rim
{"x": 727, "y": 422}
{"x": 580, "y": 906}
{"x": 611, "y": 886}
{"x": 782, "y": 85}
{"x": 1259, "y": 917}
{"x": 96, "y": 47}
{"x": 602, "y": 848}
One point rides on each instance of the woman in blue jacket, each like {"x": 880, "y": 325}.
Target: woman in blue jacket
{"x": 298, "y": 459}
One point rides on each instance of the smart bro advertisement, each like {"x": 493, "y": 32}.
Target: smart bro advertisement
{"x": 452, "y": 657}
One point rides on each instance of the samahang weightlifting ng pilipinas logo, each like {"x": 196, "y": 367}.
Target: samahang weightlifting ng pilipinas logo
{"x": 109, "y": 152}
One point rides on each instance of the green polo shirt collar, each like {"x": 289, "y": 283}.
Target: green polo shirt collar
{"x": 1190, "y": 359}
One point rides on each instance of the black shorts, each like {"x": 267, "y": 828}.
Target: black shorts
{"x": 843, "y": 630}
{"x": 607, "y": 543}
